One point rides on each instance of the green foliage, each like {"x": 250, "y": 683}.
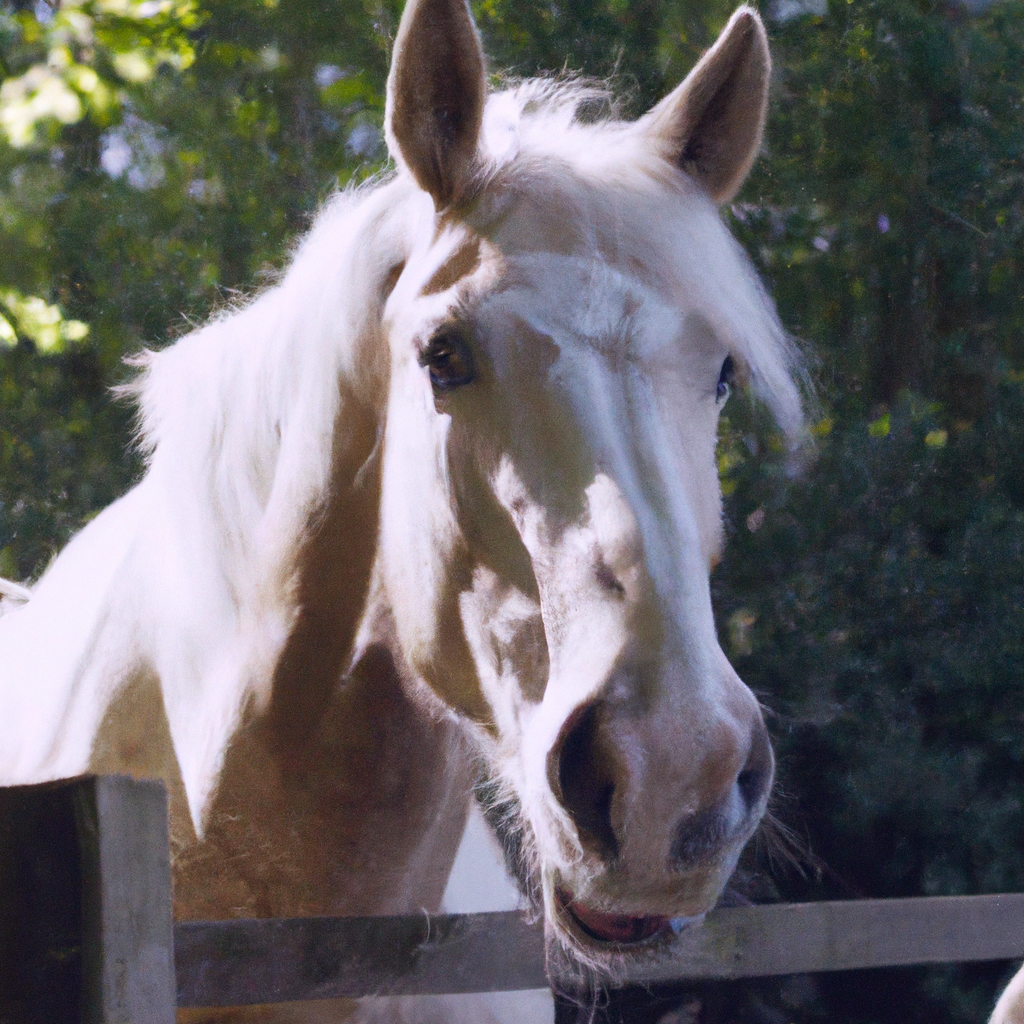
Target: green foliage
{"x": 889, "y": 216}
{"x": 63, "y": 453}
{"x": 875, "y": 601}
{"x": 876, "y": 604}
{"x": 144, "y": 212}
{"x": 156, "y": 156}
{"x": 885, "y": 616}
{"x": 74, "y": 59}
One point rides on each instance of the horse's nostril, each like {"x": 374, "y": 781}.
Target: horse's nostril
{"x": 708, "y": 832}
{"x": 586, "y": 784}
{"x": 755, "y": 778}
{"x": 753, "y": 784}
{"x": 607, "y": 578}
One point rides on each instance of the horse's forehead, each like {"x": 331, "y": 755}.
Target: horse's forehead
{"x": 600, "y": 359}
{"x": 581, "y": 300}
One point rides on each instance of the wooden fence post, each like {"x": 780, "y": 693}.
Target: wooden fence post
{"x": 86, "y": 933}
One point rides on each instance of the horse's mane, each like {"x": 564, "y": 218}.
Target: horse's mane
{"x": 265, "y": 340}
{"x": 245, "y": 408}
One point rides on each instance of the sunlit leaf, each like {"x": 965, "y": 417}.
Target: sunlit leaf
{"x": 39, "y": 320}
{"x": 880, "y": 427}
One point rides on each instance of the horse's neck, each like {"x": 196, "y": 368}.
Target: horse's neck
{"x": 361, "y": 815}
{"x": 337, "y": 794}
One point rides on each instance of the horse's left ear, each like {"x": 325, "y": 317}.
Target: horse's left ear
{"x": 436, "y": 92}
{"x": 710, "y": 126}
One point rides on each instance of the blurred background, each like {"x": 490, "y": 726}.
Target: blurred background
{"x": 159, "y": 157}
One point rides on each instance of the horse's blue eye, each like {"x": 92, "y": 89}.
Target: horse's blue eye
{"x": 449, "y": 361}
{"x": 725, "y": 380}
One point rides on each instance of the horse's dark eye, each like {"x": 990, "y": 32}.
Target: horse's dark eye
{"x": 449, "y": 361}
{"x": 725, "y": 380}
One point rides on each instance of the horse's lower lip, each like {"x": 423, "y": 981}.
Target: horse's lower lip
{"x": 617, "y": 929}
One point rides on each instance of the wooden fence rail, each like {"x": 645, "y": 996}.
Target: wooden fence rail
{"x": 226, "y": 963}
{"x": 86, "y": 933}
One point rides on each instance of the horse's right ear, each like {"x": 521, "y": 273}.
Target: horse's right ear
{"x": 435, "y": 101}
{"x": 711, "y": 125}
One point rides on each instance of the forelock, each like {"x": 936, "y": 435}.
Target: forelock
{"x": 565, "y": 143}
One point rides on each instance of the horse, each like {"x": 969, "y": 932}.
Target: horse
{"x": 438, "y": 506}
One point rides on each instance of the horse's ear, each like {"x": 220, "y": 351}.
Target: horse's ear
{"x": 436, "y": 92}
{"x": 711, "y": 124}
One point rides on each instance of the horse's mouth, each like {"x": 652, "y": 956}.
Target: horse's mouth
{"x": 611, "y": 929}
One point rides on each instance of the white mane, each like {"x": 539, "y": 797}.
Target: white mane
{"x": 238, "y": 394}
{"x": 536, "y": 139}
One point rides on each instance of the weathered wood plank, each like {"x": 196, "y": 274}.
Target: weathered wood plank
{"x": 85, "y": 903}
{"x": 804, "y": 938}
{"x": 236, "y": 963}
{"x": 240, "y": 962}
{"x": 40, "y": 906}
{"x": 127, "y": 922}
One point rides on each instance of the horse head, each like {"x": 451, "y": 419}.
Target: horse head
{"x": 563, "y": 335}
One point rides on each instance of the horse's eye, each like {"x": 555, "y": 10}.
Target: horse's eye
{"x": 449, "y": 361}
{"x": 725, "y": 380}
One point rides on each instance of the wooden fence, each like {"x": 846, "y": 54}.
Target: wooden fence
{"x": 86, "y": 932}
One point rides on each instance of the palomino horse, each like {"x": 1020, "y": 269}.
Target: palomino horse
{"x": 443, "y": 502}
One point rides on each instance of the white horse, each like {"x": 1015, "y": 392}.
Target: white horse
{"x": 442, "y": 502}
